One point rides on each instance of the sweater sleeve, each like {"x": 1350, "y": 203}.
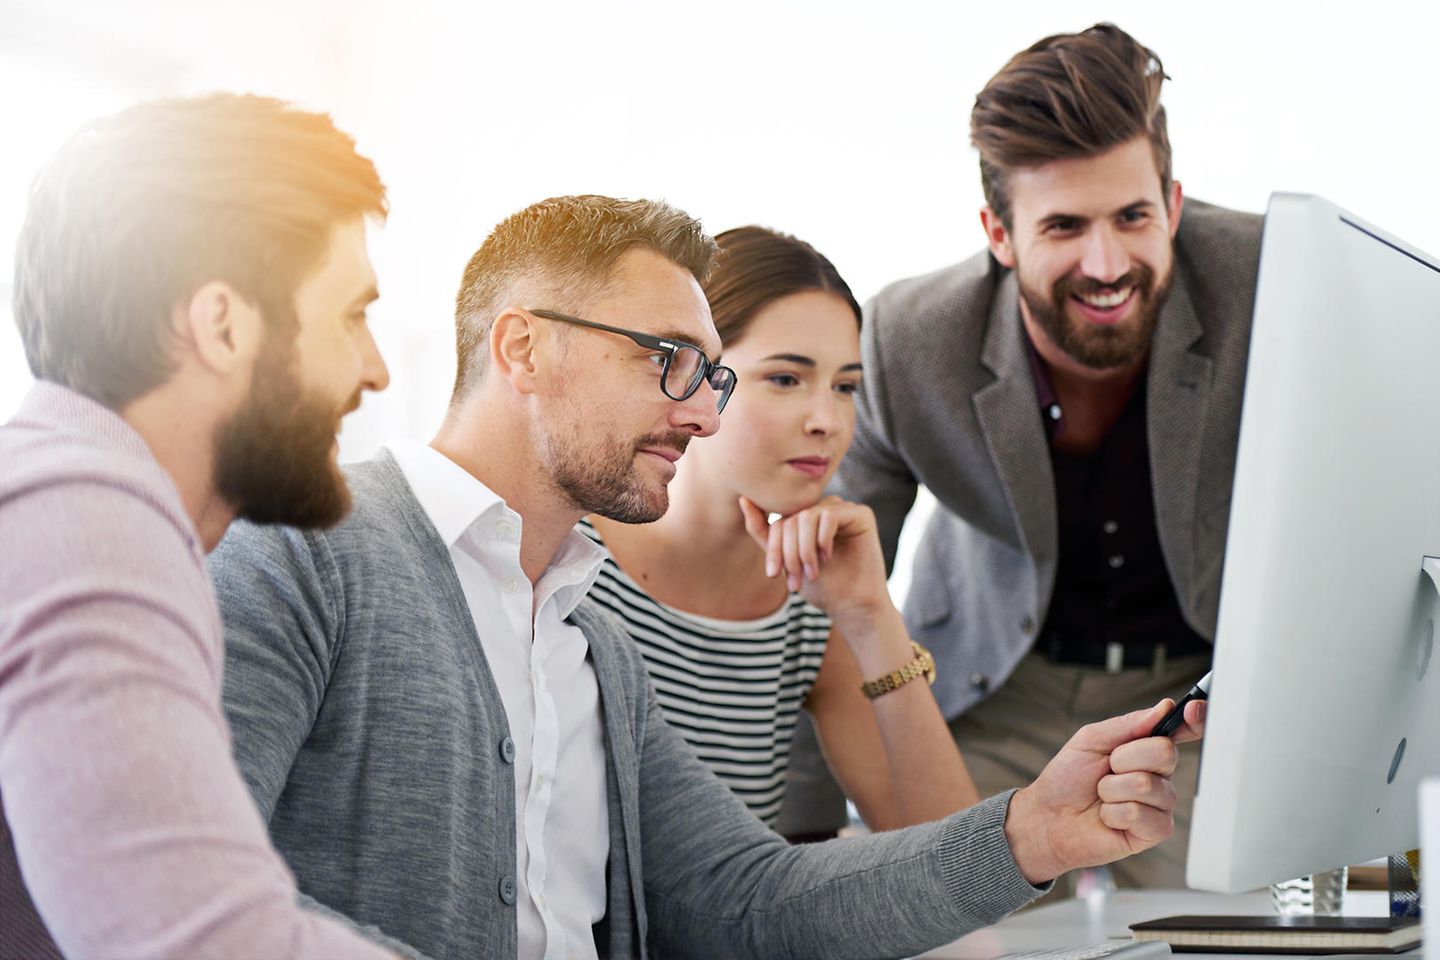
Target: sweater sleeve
{"x": 281, "y": 601}
{"x": 134, "y": 833}
{"x": 719, "y": 883}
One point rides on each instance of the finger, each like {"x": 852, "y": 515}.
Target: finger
{"x": 757, "y": 525}
{"x": 775, "y": 550}
{"x": 1144, "y": 825}
{"x": 808, "y": 521}
{"x": 1152, "y": 791}
{"x": 1105, "y": 735}
{"x": 1194, "y": 727}
{"x": 1151, "y": 755}
{"x": 791, "y": 547}
{"x": 825, "y": 534}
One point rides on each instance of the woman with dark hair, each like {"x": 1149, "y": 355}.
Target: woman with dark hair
{"x": 742, "y": 622}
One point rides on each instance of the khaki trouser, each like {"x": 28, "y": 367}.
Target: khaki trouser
{"x": 1007, "y": 739}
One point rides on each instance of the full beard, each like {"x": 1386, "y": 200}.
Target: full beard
{"x": 1092, "y": 345}
{"x": 602, "y": 478}
{"x": 272, "y": 458}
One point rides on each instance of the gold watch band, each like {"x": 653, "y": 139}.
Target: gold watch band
{"x": 922, "y": 665}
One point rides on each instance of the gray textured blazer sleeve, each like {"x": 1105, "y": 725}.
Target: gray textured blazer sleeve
{"x": 280, "y": 622}
{"x": 718, "y": 883}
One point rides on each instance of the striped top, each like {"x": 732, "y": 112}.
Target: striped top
{"x": 732, "y": 688}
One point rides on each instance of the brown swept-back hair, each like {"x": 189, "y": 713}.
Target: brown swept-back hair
{"x": 1070, "y": 95}
{"x": 566, "y": 248}
{"x": 758, "y": 266}
{"x": 140, "y": 209}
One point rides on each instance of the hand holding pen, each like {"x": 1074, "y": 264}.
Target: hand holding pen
{"x": 1176, "y": 717}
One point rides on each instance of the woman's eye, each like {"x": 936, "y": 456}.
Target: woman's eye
{"x": 784, "y": 379}
{"x": 848, "y": 389}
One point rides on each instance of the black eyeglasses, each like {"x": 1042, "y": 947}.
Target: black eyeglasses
{"x": 685, "y": 366}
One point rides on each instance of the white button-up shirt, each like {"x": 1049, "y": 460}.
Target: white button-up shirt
{"x": 547, "y": 684}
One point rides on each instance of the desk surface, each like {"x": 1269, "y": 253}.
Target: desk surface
{"x": 1078, "y": 922}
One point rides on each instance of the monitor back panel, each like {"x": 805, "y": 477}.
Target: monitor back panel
{"x": 1326, "y": 623}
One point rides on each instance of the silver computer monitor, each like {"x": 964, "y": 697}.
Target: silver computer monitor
{"x": 1325, "y": 703}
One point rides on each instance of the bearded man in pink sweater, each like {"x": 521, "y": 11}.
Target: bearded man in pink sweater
{"x": 191, "y": 287}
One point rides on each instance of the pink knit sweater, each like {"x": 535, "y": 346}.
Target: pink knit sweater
{"x": 125, "y": 829}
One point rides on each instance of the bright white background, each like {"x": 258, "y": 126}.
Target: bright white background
{"x": 842, "y": 122}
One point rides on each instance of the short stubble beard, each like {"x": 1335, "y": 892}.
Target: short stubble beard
{"x": 602, "y": 478}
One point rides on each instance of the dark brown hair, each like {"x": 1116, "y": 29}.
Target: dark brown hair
{"x": 140, "y": 209}
{"x": 758, "y": 266}
{"x": 1070, "y": 95}
{"x": 568, "y": 247}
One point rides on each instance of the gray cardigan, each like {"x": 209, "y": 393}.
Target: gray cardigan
{"x": 368, "y": 725}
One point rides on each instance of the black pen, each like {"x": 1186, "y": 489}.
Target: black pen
{"x": 1173, "y": 719}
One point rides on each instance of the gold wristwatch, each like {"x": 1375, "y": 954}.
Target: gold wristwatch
{"x": 922, "y": 665}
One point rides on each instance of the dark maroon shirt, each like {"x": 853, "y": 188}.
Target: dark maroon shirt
{"x": 1111, "y": 584}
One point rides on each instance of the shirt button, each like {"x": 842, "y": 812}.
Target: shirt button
{"x": 1116, "y": 562}
{"x": 503, "y": 527}
{"x": 1027, "y": 624}
{"x": 507, "y": 890}
{"x": 1110, "y": 526}
{"x": 979, "y": 682}
{"x": 511, "y": 585}
{"x": 507, "y": 750}
{"x": 1054, "y": 411}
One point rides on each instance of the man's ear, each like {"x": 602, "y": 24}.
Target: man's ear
{"x": 998, "y": 237}
{"x": 1176, "y": 202}
{"x": 220, "y": 328}
{"x": 514, "y": 348}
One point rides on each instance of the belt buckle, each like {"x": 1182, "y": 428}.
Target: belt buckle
{"x": 1114, "y": 657}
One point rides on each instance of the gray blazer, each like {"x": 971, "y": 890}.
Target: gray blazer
{"x": 949, "y": 402}
{"x": 367, "y": 723}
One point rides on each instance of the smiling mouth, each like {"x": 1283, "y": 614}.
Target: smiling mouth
{"x": 1106, "y": 300}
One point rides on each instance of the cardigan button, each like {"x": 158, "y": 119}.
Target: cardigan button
{"x": 507, "y": 890}
{"x": 507, "y": 750}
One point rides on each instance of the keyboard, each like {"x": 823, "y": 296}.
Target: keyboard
{"x": 1110, "y": 950}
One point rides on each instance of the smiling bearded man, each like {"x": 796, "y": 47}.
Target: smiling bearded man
{"x": 1071, "y": 396}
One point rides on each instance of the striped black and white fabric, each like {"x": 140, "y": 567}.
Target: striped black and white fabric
{"x": 732, "y": 688}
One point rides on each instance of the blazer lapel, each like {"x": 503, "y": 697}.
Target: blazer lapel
{"x": 1179, "y": 391}
{"x": 1009, "y": 418}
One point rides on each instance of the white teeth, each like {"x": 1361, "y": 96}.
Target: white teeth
{"x": 1105, "y": 301}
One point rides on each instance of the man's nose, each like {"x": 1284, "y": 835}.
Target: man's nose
{"x": 1105, "y": 257}
{"x": 696, "y": 414}
{"x": 374, "y": 374}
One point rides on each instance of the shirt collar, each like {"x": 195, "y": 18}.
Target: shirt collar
{"x": 451, "y": 496}
{"x": 459, "y": 504}
{"x": 59, "y": 408}
{"x": 1051, "y": 413}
